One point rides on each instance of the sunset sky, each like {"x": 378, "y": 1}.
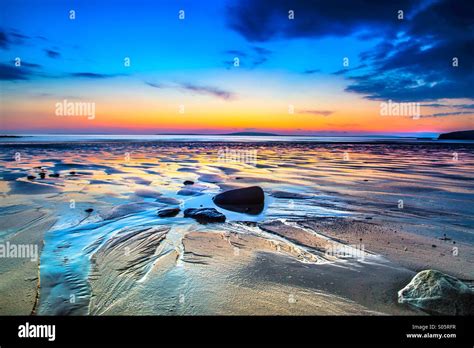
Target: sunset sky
{"x": 284, "y": 64}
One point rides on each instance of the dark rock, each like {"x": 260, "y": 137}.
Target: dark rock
{"x": 437, "y": 293}
{"x": 186, "y": 192}
{"x": 54, "y": 175}
{"x": 248, "y": 200}
{"x": 89, "y": 210}
{"x": 168, "y": 212}
{"x": 188, "y": 182}
{"x": 31, "y": 177}
{"x": 72, "y": 173}
{"x": 248, "y": 223}
{"x": 42, "y": 175}
{"x": 204, "y": 215}
{"x": 444, "y": 237}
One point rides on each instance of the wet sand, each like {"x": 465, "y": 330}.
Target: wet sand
{"x": 104, "y": 250}
{"x": 19, "y": 281}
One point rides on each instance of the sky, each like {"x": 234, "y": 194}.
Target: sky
{"x": 304, "y": 67}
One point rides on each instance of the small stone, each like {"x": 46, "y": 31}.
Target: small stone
{"x": 168, "y": 212}
{"x": 205, "y": 215}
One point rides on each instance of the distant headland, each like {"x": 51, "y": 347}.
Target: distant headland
{"x": 461, "y": 135}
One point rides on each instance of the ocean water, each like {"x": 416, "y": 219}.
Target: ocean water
{"x": 58, "y": 138}
{"x": 125, "y": 180}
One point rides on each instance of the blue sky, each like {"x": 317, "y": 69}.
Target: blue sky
{"x": 405, "y": 60}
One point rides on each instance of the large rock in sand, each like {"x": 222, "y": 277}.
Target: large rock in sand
{"x": 438, "y": 293}
{"x": 248, "y": 200}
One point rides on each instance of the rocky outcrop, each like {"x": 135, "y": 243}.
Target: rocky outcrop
{"x": 438, "y": 293}
{"x": 460, "y": 135}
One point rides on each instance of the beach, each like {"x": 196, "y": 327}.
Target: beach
{"x": 343, "y": 225}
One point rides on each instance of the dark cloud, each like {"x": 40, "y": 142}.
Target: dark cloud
{"x": 453, "y": 109}
{"x": 91, "y": 75}
{"x": 19, "y": 36}
{"x": 411, "y": 75}
{"x": 236, "y": 53}
{"x": 26, "y": 64}
{"x": 345, "y": 70}
{"x": 458, "y": 106}
{"x": 259, "y": 61}
{"x": 420, "y": 68}
{"x": 3, "y": 40}
{"x": 413, "y": 60}
{"x": 52, "y": 53}
{"x": 26, "y": 70}
{"x": 206, "y": 90}
{"x": 252, "y": 58}
{"x": 212, "y": 91}
{"x": 435, "y": 105}
{"x": 262, "y": 20}
{"x": 317, "y": 112}
{"x": 155, "y": 85}
{"x": 261, "y": 51}
{"x": 261, "y": 55}
{"x": 454, "y": 113}
{"x": 10, "y": 37}
{"x": 10, "y": 72}
{"x": 311, "y": 71}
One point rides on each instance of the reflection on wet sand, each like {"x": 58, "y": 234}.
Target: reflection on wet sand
{"x": 106, "y": 250}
